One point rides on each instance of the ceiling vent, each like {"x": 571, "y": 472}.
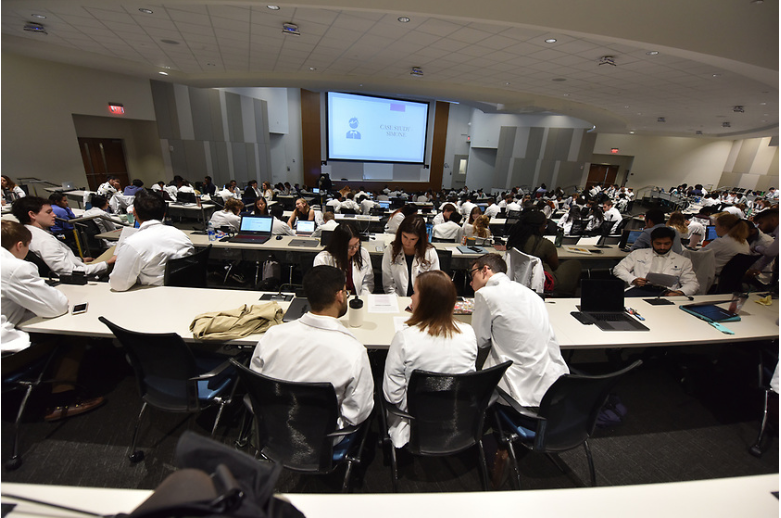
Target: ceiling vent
{"x": 290, "y": 28}
{"x": 661, "y": 119}
{"x": 416, "y": 72}
{"x": 738, "y": 109}
{"x": 607, "y": 60}
{"x": 35, "y": 27}
{"x": 726, "y": 124}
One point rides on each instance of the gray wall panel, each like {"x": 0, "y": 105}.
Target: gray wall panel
{"x": 748, "y": 151}
{"x": 196, "y": 160}
{"x": 219, "y": 153}
{"x": 504, "y": 154}
{"x": 165, "y": 110}
{"x": 570, "y": 173}
{"x": 558, "y": 144}
{"x": 178, "y": 158}
{"x": 252, "y": 166}
{"x": 215, "y": 111}
{"x": 546, "y": 173}
{"x": 201, "y": 114}
{"x": 239, "y": 153}
{"x": 235, "y": 124}
{"x": 523, "y": 171}
{"x": 534, "y": 146}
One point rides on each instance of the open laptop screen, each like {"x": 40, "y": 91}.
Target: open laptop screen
{"x": 598, "y": 295}
{"x": 710, "y": 233}
{"x": 256, "y": 224}
{"x": 305, "y": 226}
{"x": 384, "y": 205}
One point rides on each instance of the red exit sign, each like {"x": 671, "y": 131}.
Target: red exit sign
{"x": 614, "y": 150}
{"x": 116, "y": 109}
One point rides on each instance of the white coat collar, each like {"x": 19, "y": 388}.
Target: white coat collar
{"x": 497, "y": 278}
{"x": 324, "y": 322}
{"x": 150, "y": 223}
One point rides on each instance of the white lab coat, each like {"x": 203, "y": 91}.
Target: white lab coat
{"x": 58, "y": 256}
{"x": 393, "y": 223}
{"x": 319, "y": 349}
{"x": 613, "y": 216}
{"x": 280, "y": 228}
{"x": 724, "y": 249}
{"x": 363, "y": 277}
{"x": 394, "y": 270}
{"x": 492, "y": 210}
{"x": 331, "y": 224}
{"x": 513, "y": 321}
{"x": 107, "y": 190}
{"x": 349, "y": 204}
{"x": 638, "y": 264}
{"x": 142, "y": 256}
{"x": 24, "y": 294}
{"x": 415, "y": 349}
{"x": 367, "y": 206}
{"x": 438, "y": 219}
{"x": 225, "y": 218}
{"x": 448, "y": 230}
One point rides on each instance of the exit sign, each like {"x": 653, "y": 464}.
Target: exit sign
{"x": 614, "y": 150}
{"x": 116, "y": 109}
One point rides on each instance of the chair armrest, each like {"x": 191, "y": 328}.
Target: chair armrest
{"x": 395, "y": 410}
{"x": 347, "y": 430}
{"x": 524, "y": 411}
{"x": 214, "y": 372}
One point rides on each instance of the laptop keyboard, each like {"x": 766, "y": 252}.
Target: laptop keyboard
{"x": 608, "y": 317}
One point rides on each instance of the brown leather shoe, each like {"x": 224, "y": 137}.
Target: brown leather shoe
{"x": 78, "y": 407}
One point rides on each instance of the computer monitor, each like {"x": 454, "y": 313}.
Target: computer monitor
{"x": 185, "y": 197}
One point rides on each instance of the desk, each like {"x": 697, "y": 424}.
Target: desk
{"x": 724, "y": 497}
{"x": 192, "y": 210}
{"x": 165, "y": 309}
{"x": 77, "y": 196}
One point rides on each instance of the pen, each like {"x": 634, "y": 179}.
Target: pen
{"x": 635, "y": 313}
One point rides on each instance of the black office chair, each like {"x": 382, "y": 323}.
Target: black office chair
{"x": 296, "y": 424}
{"x": 348, "y": 211}
{"x": 566, "y": 417}
{"x": 731, "y": 277}
{"x": 172, "y": 378}
{"x": 445, "y": 261}
{"x": 43, "y": 268}
{"x": 27, "y": 378}
{"x": 442, "y": 240}
{"x": 768, "y": 361}
{"x": 188, "y": 272}
{"x": 446, "y": 413}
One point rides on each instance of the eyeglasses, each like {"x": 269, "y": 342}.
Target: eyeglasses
{"x": 354, "y": 247}
{"x": 476, "y": 269}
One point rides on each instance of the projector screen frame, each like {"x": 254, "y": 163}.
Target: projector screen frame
{"x": 426, "y": 135}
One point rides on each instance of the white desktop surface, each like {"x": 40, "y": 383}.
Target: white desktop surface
{"x": 726, "y": 497}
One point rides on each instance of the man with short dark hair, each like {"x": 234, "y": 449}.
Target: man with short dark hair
{"x": 142, "y": 256}
{"x": 38, "y": 216}
{"x": 450, "y": 229}
{"x": 318, "y": 348}
{"x": 109, "y": 187}
{"x": 611, "y": 214}
{"x": 59, "y": 203}
{"x": 208, "y": 187}
{"x": 654, "y": 219}
{"x": 634, "y": 268}
{"x": 512, "y": 320}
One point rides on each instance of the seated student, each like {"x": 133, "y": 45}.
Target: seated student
{"x": 268, "y": 192}
{"x": 397, "y": 217}
{"x": 23, "y": 294}
{"x": 612, "y": 215}
{"x": 302, "y": 211}
{"x": 335, "y": 203}
{"x": 409, "y": 255}
{"x": 100, "y": 208}
{"x": 229, "y": 216}
{"x": 185, "y": 187}
{"x": 492, "y": 210}
{"x": 38, "y": 216}
{"x": 109, "y": 187}
{"x": 451, "y": 229}
{"x": 654, "y": 219}
{"x": 329, "y": 223}
{"x": 349, "y": 204}
{"x": 345, "y": 252}
{"x": 59, "y": 203}
{"x": 279, "y": 227}
{"x": 159, "y": 186}
{"x": 765, "y": 243}
{"x": 733, "y": 234}
{"x": 208, "y": 187}
{"x": 133, "y": 189}
{"x": 142, "y": 257}
{"x": 260, "y": 207}
{"x": 317, "y": 348}
{"x": 470, "y": 220}
{"x": 434, "y": 341}
{"x": 366, "y": 205}
{"x": 442, "y": 217}
{"x": 634, "y": 268}
{"x": 527, "y": 237}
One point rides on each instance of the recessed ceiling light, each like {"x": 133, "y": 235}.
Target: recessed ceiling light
{"x": 39, "y": 16}
{"x": 550, "y": 40}
{"x": 312, "y": 69}
{"x": 147, "y": 11}
{"x": 631, "y": 132}
{"x": 626, "y": 106}
{"x": 757, "y": 2}
{"x": 763, "y": 104}
{"x": 715, "y": 75}
{"x": 639, "y": 113}
{"x": 273, "y": 7}
{"x": 764, "y": 114}
{"x": 163, "y": 73}
{"x": 170, "y": 42}
{"x": 507, "y": 84}
{"x": 210, "y": 65}
{"x": 653, "y": 53}
{"x": 403, "y": 19}
{"x": 566, "y": 95}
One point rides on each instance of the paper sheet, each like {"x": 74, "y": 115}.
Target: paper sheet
{"x": 398, "y": 323}
{"x": 383, "y": 304}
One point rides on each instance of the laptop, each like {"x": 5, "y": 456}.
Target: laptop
{"x": 305, "y": 227}
{"x": 68, "y": 186}
{"x": 628, "y": 238}
{"x": 296, "y": 310}
{"x": 254, "y": 229}
{"x": 710, "y": 233}
{"x": 602, "y": 303}
{"x": 325, "y": 237}
{"x": 384, "y": 205}
{"x": 315, "y": 190}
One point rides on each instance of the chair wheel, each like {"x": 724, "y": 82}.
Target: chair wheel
{"x": 136, "y": 456}
{"x": 13, "y": 463}
{"x": 755, "y": 451}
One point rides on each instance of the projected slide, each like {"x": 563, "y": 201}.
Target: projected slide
{"x": 375, "y": 129}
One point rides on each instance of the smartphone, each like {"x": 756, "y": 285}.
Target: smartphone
{"x": 80, "y": 308}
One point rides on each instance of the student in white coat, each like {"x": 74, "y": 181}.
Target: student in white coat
{"x": 409, "y": 255}
{"x": 434, "y": 341}
{"x": 345, "y": 252}
{"x": 397, "y": 217}
{"x": 38, "y": 216}
{"x": 634, "y": 268}
{"x": 229, "y": 216}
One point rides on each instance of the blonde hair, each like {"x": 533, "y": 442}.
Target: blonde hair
{"x": 678, "y": 222}
{"x": 481, "y": 227}
{"x": 738, "y": 229}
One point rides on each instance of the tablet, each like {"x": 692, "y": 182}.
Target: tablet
{"x": 710, "y": 313}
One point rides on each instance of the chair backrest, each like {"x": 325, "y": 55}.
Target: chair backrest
{"x": 293, "y": 420}
{"x": 704, "y": 265}
{"x": 449, "y": 409}
{"x": 445, "y": 260}
{"x": 188, "y": 272}
{"x": 442, "y": 240}
{"x": 571, "y": 407}
{"x": 527, "y": 270}
{"x": 163, "y": 365}
{"x": 43, "y": 268}
{"x": 731, "y": 277}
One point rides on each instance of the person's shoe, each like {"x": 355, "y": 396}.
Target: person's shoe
{"x": 501, "y": 470}
{"x": 76, "y": 408}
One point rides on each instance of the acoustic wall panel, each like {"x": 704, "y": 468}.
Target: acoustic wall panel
{"x": 238, "y": 152}
{"x": 165, "y": 109}
{"x": 233, "y": 112}
{"x": 569, "y": 173}
{"x": 178, "y": 158}
{"x": 558, "y": 143}
{"x": 746, "y": 155}
{"x": 544, "y": 173}
{"x": 504, "y": 154}
{"x": 215, "y": 115}
{"x": 220, "y": 163}
{"x": 523, "y": 172}
{"x": 534, "y": 146}
{"x": 183, "y": 112}
{"x": 195, "y": 159}
{"x": 201, "y": 114}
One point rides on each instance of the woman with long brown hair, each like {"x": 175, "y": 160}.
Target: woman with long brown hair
{"x": 409, "y": 255}
{"x": 434, "y": 341}
{"x": 303, "y": 211}
{"x": 345, "y": 252}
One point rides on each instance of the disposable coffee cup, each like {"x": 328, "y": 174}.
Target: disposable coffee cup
{"x": 738, "y": 299}
{"x": 355, "y": 313}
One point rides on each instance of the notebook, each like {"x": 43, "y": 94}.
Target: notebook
{"x": 254, "y": 229}
{"x": 602, "y": 302}
{"x": 305, "y": 227}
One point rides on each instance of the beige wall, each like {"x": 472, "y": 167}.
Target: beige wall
{"x": 668, "y": 161}
{"x": 39, "y": 99}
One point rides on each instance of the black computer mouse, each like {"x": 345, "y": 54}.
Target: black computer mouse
{"x": 279, "y": 238}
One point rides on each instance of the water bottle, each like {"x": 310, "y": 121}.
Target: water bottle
{"x": 210, "y": 231}
{"x": 559, "y": 236}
